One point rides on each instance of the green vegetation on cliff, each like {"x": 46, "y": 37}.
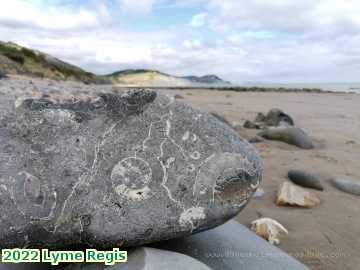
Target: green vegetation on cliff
{"x": 15, "y": 59}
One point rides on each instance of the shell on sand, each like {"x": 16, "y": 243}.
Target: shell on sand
{"x": 293, "y": 195}
{"x": 269, "y": 229}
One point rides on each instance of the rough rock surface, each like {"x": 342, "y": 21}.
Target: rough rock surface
{"x": 290, "y": 194}
{"x": 347, "y": 185}
{"x": 305, "y": 179}
{"x": 221, "y": 119}
{"x": 290, "y": 135}
{"x": 276, "y": 117}
{"x": 251, "y": 125}
{"x": 146, "y": 258}
{"x": 117, "y": 170}
{"x": 256, "y": 139}
{"x": 260, "y": 117}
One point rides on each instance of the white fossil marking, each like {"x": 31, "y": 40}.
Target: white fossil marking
{"x": 186, "y": 136}
{"x": 132, "y": 170}
{"x": 133, "y": 194}
{"x": 196, "y": 155}
{"x": 190, "y": 215}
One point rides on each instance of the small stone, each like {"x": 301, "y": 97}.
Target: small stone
{"x": 290, "y": 135}
{"x": 348, "y": 186}
{"x": 259, "y": 193}
{"x": 260, "y": 117}
{"x": 269, "y": 229}
{"x": 276, "y": 117}
{"x": 251, "y": 125}
{"x": 290, "y": 194}
{"x": 256, "y": 139}
{"x": 305, "y": 179}
{"x": 178, "y": 96}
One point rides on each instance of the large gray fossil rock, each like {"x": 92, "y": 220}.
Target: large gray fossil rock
{"x": 117, "y": 170}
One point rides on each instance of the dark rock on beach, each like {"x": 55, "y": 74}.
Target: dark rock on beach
{"x": 290, "y": 135}
{"x": 251, "y": 125}
{"x": 117, "y": 170}
{"x": 178, "y": 97}
{"x": 348, "y": 186}
{"x": 276, "y": 117}
{"x": 305, "y": 179}
{"x": 260, "y": 117}
{"x": 256, "y": 139}
{"x": 232, "y": 246}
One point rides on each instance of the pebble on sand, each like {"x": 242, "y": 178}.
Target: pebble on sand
{"x": 305, "y": 179}
{"x": 348, "y": 186}
{"x": 290, "y": 194}
{"x": 269, "y": 229}
{"x": 276, "y": 117}
{"x": 251, "y": 125}
{"x": 178, "y": 96}
{"x": 290, "y": 135}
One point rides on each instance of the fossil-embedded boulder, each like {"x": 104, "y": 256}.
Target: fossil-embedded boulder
{"x": 117, "y": 170}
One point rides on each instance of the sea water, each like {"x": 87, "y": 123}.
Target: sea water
{"x": 336, "y": 87}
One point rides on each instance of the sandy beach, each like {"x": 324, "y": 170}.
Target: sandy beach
{"x": 324, "y": 237}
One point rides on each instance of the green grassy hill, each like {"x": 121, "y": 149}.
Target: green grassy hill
{"x": 18, "y": 60}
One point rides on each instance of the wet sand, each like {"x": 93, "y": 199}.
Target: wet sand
{"x": 327, "y": 236}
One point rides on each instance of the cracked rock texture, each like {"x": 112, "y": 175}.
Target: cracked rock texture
{"x": 106, "y": 169}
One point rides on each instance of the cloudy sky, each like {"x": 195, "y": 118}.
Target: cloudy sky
{"x": 239, "y": 40}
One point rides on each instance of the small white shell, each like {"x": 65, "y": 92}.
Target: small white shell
{"x": 268, "y": 229}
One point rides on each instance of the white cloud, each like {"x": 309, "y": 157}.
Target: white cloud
{"x": 255, "y": 40}
{"x": 296, "y": 16}
{"x": 192, "y": 44}
{"x": 25, "y": 14}
{"x": 198, "y": 20}
{"x": 137, "y": 6}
